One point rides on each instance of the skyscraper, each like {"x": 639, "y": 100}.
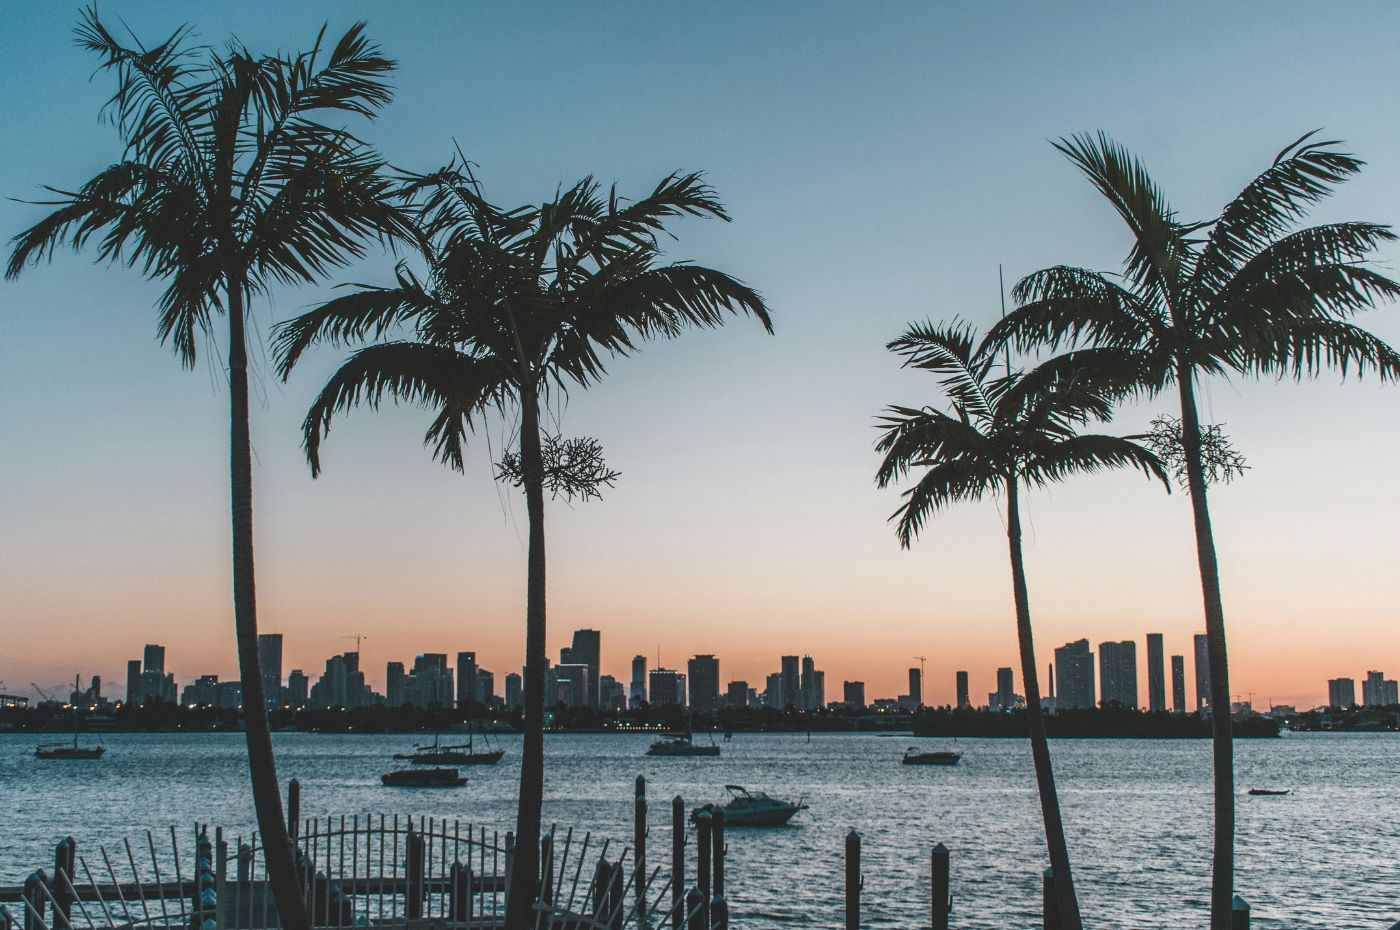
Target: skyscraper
{"x": 154, "y": 659}
{"x": 1006, "y": 689}
{"x": 485, "y": 686}
{"x": 638, "y": 695}
{"x": 270, "y": 664}
{"x": 916, "y": 688}
{"x": 513, "y": 690}
{"x": 818, "y": 689}
{"x": 298, "y": 688}
{"x": 1379, "y": 691}
{"x": 1179, "y": 684}
{"x": 468, "y": 687}
{"x": 1202, "y": 670}
{"x": 809, "y": 667}
{"x": 1118, "y": 683}
{"x": 963, "y": 700}
{"x": 133, "y": 683}
{"x": 737, "y": 694}
{"x": 853, "y": 693}
{"x": 1074, "y": 676}
{"x": 773, "y": 691}
{"x": 1341, "y": 692}
{"x": 792, "y": 691}
{"x": 703, "y": 671}
{"x": 666, "y": 687}
{"x": 587, "y": 649}
{"x": 1156, "y": 674}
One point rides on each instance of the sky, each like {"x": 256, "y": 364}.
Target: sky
{"x": 879, "y": 164}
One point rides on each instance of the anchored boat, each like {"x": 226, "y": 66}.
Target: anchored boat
{"x": 681, "y": 745}
{"x": 1268, "y": 792}
{"x": 465, "y": 754}
{"x": 945, "y": 757}
{"x": 423, "y": 778}
{"x": 65, "y": 751}
{"x": 752, "y": 809}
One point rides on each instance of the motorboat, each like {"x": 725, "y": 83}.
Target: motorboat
{"x": 1268, "y": 792}
{"x": 464, "y": 754}
{"x": 681, "y": 745}
{"x": 913, "y": 756}
{"x": 423, "y": 778}
{"x": 752, "y": 809}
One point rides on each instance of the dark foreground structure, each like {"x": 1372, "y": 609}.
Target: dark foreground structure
{"x": 1105, "y": 723}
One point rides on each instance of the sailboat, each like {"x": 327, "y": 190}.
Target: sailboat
{"x": 63, "y": 750}
{"x": 464, "y": 754}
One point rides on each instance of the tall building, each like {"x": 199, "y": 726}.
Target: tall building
{"x": 638, "y": 695}
{"x": 667, "y": 687}
{"x": 704, "y": 683}
{"x": 1202, "y": 645}
{"x": 270, "y": 664}
{"x": 587, "y": 649}
{"x": 853, "y": 694}
{"x": 154, "y": 659}
{"x": 298, "y": 688}
{"x": 1156, "y": 674}
{"x": 818, "y": 689}
{"x": 916, "y": 688}
{"x": 133, "y": 683}
{"x": 468, "y": 688}
{"x": 773, "y": 691}
{"x": 1179, "y": 684}
{"x": 514, "y": 690}
{"x": 1074, "y": 676}
{"x": 737, "y": 694}
{"x": 1379, "y": 691}
{"x": 1341, "y": 692}
{"x": 612, "y": 696}
{"x": 485, "y": 686}
{"x": 1118, "y": 679}
{"x": 394, "y": 678}
{"x": 792, "y": 690}
{"x": 808, "y": 684}
{"x": 1006, "y": 689}
{"x": 963, "y": 700}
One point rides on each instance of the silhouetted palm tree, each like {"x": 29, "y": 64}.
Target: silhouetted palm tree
{"x": 229, "y": 184}
{"x": 517, "y": 305}
{"x": 1244, "y": 292}
{"x": 1002, "y": 432}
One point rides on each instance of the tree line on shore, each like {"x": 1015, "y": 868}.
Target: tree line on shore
{"x": 236, "y": 179}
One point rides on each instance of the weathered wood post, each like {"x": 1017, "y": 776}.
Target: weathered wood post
{"x": 704, "y": 824}
{"x": 853, "y": 881}
{"x": 942, "y": 899}
{"x": 719, "y": 908}
{"x": 293, "y": 809}
{"x": 617, "y": 899}
{"x": 547, "y": 869}
{"x": 245, "y": 863}
{"x": 204, "y": 906}
{"x": 639, "y": 846}
{"x": 34, "y": 899}
{"x": 510, "y": 854}
{"x": 1239, "y": 914}
{"x": 677, "y": 863}
{"x": 1047, "y": 901}
{"x": 695, "y": 910}
{"x": 461, "y": 894}
{"x": 608, "y": 895}
{"x": 416, "y": 855}
{"x": 65, "y": 860}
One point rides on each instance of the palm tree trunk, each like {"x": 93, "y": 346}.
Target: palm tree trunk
{"x": 267, "y": 799}
{"x": 1066, "y": 902}
{"x": 525, "y": 865}
{"x": 1222, "y": 890}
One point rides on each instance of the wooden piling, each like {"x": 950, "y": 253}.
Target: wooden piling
{"x": 293, "y": 808}
{"x": 547, "y": 869}
{"x": 694, "y": 910}
{"x": 678, "y": 863}
{"x": 461, "y": 895}
{"x": 1239, "y": 914}
{"x": 704, "y": 824}
{"x": 719, "y": 909}
{"x": 853, "y": 881}
{"x": 65, "y": 862}
{"x": 639, "y": 849}
{"x": 416, "y": 855}
{"x": 1047, "y": 901}
{"x": 34, "y": 899}
{"x": 942, "y": 898}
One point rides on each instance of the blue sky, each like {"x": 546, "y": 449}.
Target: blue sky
{"x": 879, "y": 165}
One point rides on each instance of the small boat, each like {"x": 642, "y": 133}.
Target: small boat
{"x": 681, "y": 745}
{"x": 1268, "y": 792}
{"x": 423, "y": 778}
{"x": 752, "y": 809}
{"x": 465, "y": 754}
{"x": 65, "y": 751}
{"x": 913, "y": 757}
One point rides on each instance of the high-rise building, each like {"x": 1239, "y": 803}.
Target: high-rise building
{"x": 587, "y": 649}
{"x": 133, "y": 683}
{"x": 1379, "y": 691}
{"x": 1005, "y": 697}
{"x": 703, "y": 671}
{"x": 570, "y": 684}
{"x": 916, "y": 688}
{"x": 154, "y": 659}
{"x": 737, "y": 694}
{"x": 638, "y": 695}
{"x": 792, "y": 686}
{"x": 818, "y": 689}
{"x": 1118, "y": 679}
{"x": 202, "y": 692}
{"x": 298, "y": 688}
{"x": 514, "y": 691}
{"x": 773, "y": 691}
{"x": 1341, "y": 692}
{"x": 853, "y": 694}
{"x": 1202, "y": 644}
{"x": 963, "y": 700}
{"x": 270, "y": 664}
{"x": 468, "y": 687}
{"x": 808, "y": 684}
{"x": 611, "y": 695}
{"x": 666, "y": 687}
{"x": 1156, "y": 674}
{"x": 394, "y": 679}
{"x": 1074, "y": 676}
{"x": 485, "y": 686}
{"x": 1179, "y": 684}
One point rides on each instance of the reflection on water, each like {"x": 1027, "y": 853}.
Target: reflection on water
{"x": 1137, "y": 813}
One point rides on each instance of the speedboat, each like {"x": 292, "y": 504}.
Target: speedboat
{"x": 752, "y": 809}
{"x": 423, "y": 778}
{"x": 945, "y": 757}
{"x": 682, "y": 745}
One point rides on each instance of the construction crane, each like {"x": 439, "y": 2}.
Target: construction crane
{"x": 44, "y": 694}
{"x": 922, "y": 660}
{"x": 358, "y": 638}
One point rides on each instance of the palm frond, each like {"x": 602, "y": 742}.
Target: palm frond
{"x": 911, "y": 438}
{"x": 949, "y": 350}
{"x": 1061, "y": 304}
{"x": 945, "y": 483}
{"x": 1304, "y": 347}
{"x": 1087, "y": 453}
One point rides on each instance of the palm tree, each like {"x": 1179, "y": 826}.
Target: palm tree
{"x": 517, "y": 305}
{"x": 227, "y": 185}
{"x": 1003, "y": 432}
{"x": 1246, "y": 292}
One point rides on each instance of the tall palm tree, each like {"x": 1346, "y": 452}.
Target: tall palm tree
{"x": 516, "y": 306}
{"x": 1000, "y": 433}
{"x": 1245, "y": 291}
{"x": 229, "y": 183}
